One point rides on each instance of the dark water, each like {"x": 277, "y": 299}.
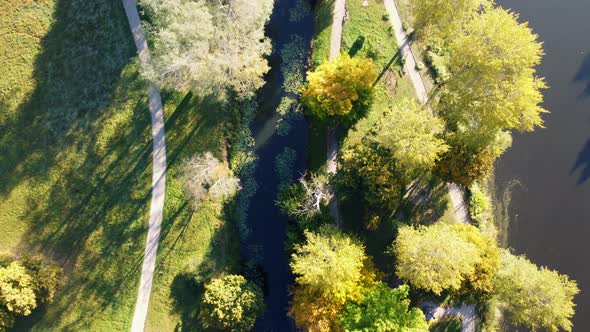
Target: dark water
{"x": 550, "y": 209}
{"x": 268, "y": 226}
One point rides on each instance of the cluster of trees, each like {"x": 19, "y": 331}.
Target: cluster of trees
{"x": 24, "y": 285}
{"x": 209, "y": 47}
{"x": 458, "y": 258}
{"x": 337, "y": 288}
{"x": 491, "y": 88}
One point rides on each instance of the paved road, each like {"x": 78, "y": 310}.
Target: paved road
{"x": 158, "y": 175}
{"x": 332, "y": 141}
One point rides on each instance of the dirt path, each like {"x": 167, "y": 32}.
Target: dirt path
{"x": 158, "y": 175}
{"x": 332, "y": 141}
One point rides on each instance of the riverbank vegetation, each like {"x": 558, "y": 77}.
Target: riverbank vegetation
{"x": 397, "y": 152}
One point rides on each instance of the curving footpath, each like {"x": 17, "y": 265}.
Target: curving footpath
{"x": 465, "y": 312}
{"x": 332, "y": 141}
{"x": 158, "y": 174}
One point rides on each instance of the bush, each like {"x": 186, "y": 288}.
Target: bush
{"x": 231, "y": 303}
{"x": 463, "y": 165}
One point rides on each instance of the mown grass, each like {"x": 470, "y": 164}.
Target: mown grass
{"x": 322, "y": 28}
{"x": 75, "y": 167}
{"x": 74, "y": 156}
{"x": 194, "y": 246}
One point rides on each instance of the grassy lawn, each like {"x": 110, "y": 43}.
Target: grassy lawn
{"x": 75, "y": 168}
{"x": 75, "y": 149}
{"x": 193, "y": 244}
{"x": 322, "y": 26}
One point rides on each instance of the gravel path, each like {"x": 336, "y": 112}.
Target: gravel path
{"x": 332, "y": 141}
{"x": 158, "y": 175}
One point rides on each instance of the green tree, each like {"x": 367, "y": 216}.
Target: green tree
{"x": 446, "y": 257}
{"x": 339, "y": 91}
{"x": 17, "y": 289}
{"x": 493, "y": 87}
{"x": 535, "y": 297}
{"x": 231, "y": 303}
{"x": 46, "y": 277}
{"x": 442, "y": 19}
{"x": 383, "y": 309}
{"x": 412, "y": 134}
{"x": 209, "y": 46}
{"x": 330, "y": 269}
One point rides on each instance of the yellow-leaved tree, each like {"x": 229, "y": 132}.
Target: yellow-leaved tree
{"x": 339, "y": 91}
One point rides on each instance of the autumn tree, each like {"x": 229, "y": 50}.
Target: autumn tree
{"x": 330, "y": 269}
{"x": 205, "y": 177}
{"x": 231, "y": 303}
{"x": 339, "y": 91}
{"x": 208, "y": 46}
{"x": 493, "y": 87}
{"x": 443, "y": 19}
{"x": 412, "y": 134}
{"x": 383, "y": 309}
{"x": 537, "y": 298}
{"x": 445, "y": 257}
{"x": 16, "y": 289}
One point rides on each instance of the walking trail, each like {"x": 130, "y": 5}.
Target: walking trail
{"x": 158, "y": 175}
{"x": 332, "y": 141}
{"x": 465, "y": 312}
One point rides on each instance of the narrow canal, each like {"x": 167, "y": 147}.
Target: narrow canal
{"x": 547, "y": 173}
{"x": 268, "y": 227}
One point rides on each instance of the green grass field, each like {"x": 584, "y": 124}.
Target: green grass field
{"x": 75, "y": 166}
{"x": 322, "y": 28}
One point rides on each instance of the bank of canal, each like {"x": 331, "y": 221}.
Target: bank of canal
{"x": 549, "y": 170}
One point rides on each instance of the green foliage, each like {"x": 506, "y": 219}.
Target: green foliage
{"x": 16, "y": 290}
{"x": 464, "y": 165}
{"x": 438, "y": 64}
{"x": 537, "y": 298}
{"x": 383, "y": 309}
{"x": 494, "y": 86}
{"x": 371, "y": 169}
{"x": 444, "y": 257}
{"x": 6, "y": 319}
{"x": 209, "y": 47}
{"x": 285, "y": 166}
{"x": 294, "y": 58}
{"x": 412, "y": 134}
{"x": 435, "y": 19}
{"x": 231, "y": 303}
{"x": 329, "y": 270}
{"x": 339, "y": 91}
{"x": 47, "y": 278}
{"x": 447, "y": 325}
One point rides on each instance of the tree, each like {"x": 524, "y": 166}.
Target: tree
{"x": 493, "y": 87}
{"x": 442, "y": 19}
{"x": 204, "y": 176}
{"x": 16, "y": 290}
{"x": 383, "y": 309}
{"x": 46, "y": 277}
{"x": 305, "y": 200}
{"x": 340, "y": 90}
{"x": 412, "y": 134}
{"x": 231, "y": 303}
{"x": 330, "y": 269}
{"x": 535, "y": 297}
{"x": 370, "y": 169}
{"x": 445, "y": 257}
{"x": 209, "y": 46}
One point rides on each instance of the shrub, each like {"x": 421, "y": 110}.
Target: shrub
{"x": 231, "y": 303}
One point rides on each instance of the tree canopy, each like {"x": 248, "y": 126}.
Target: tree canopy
{"x": 493, "y": 86}
{"x": 445, "y": 257}
{"x": 231, "y": 303}
{"x": 16, "y": 289}
{"x": 412, "y": 133}
{"x": 383, "y": 309}
{"x": 329, "y": 270}
{"x": 535, "y": 297}
{"x": 209, "y": 46}
{"x": 340, "y": 90}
